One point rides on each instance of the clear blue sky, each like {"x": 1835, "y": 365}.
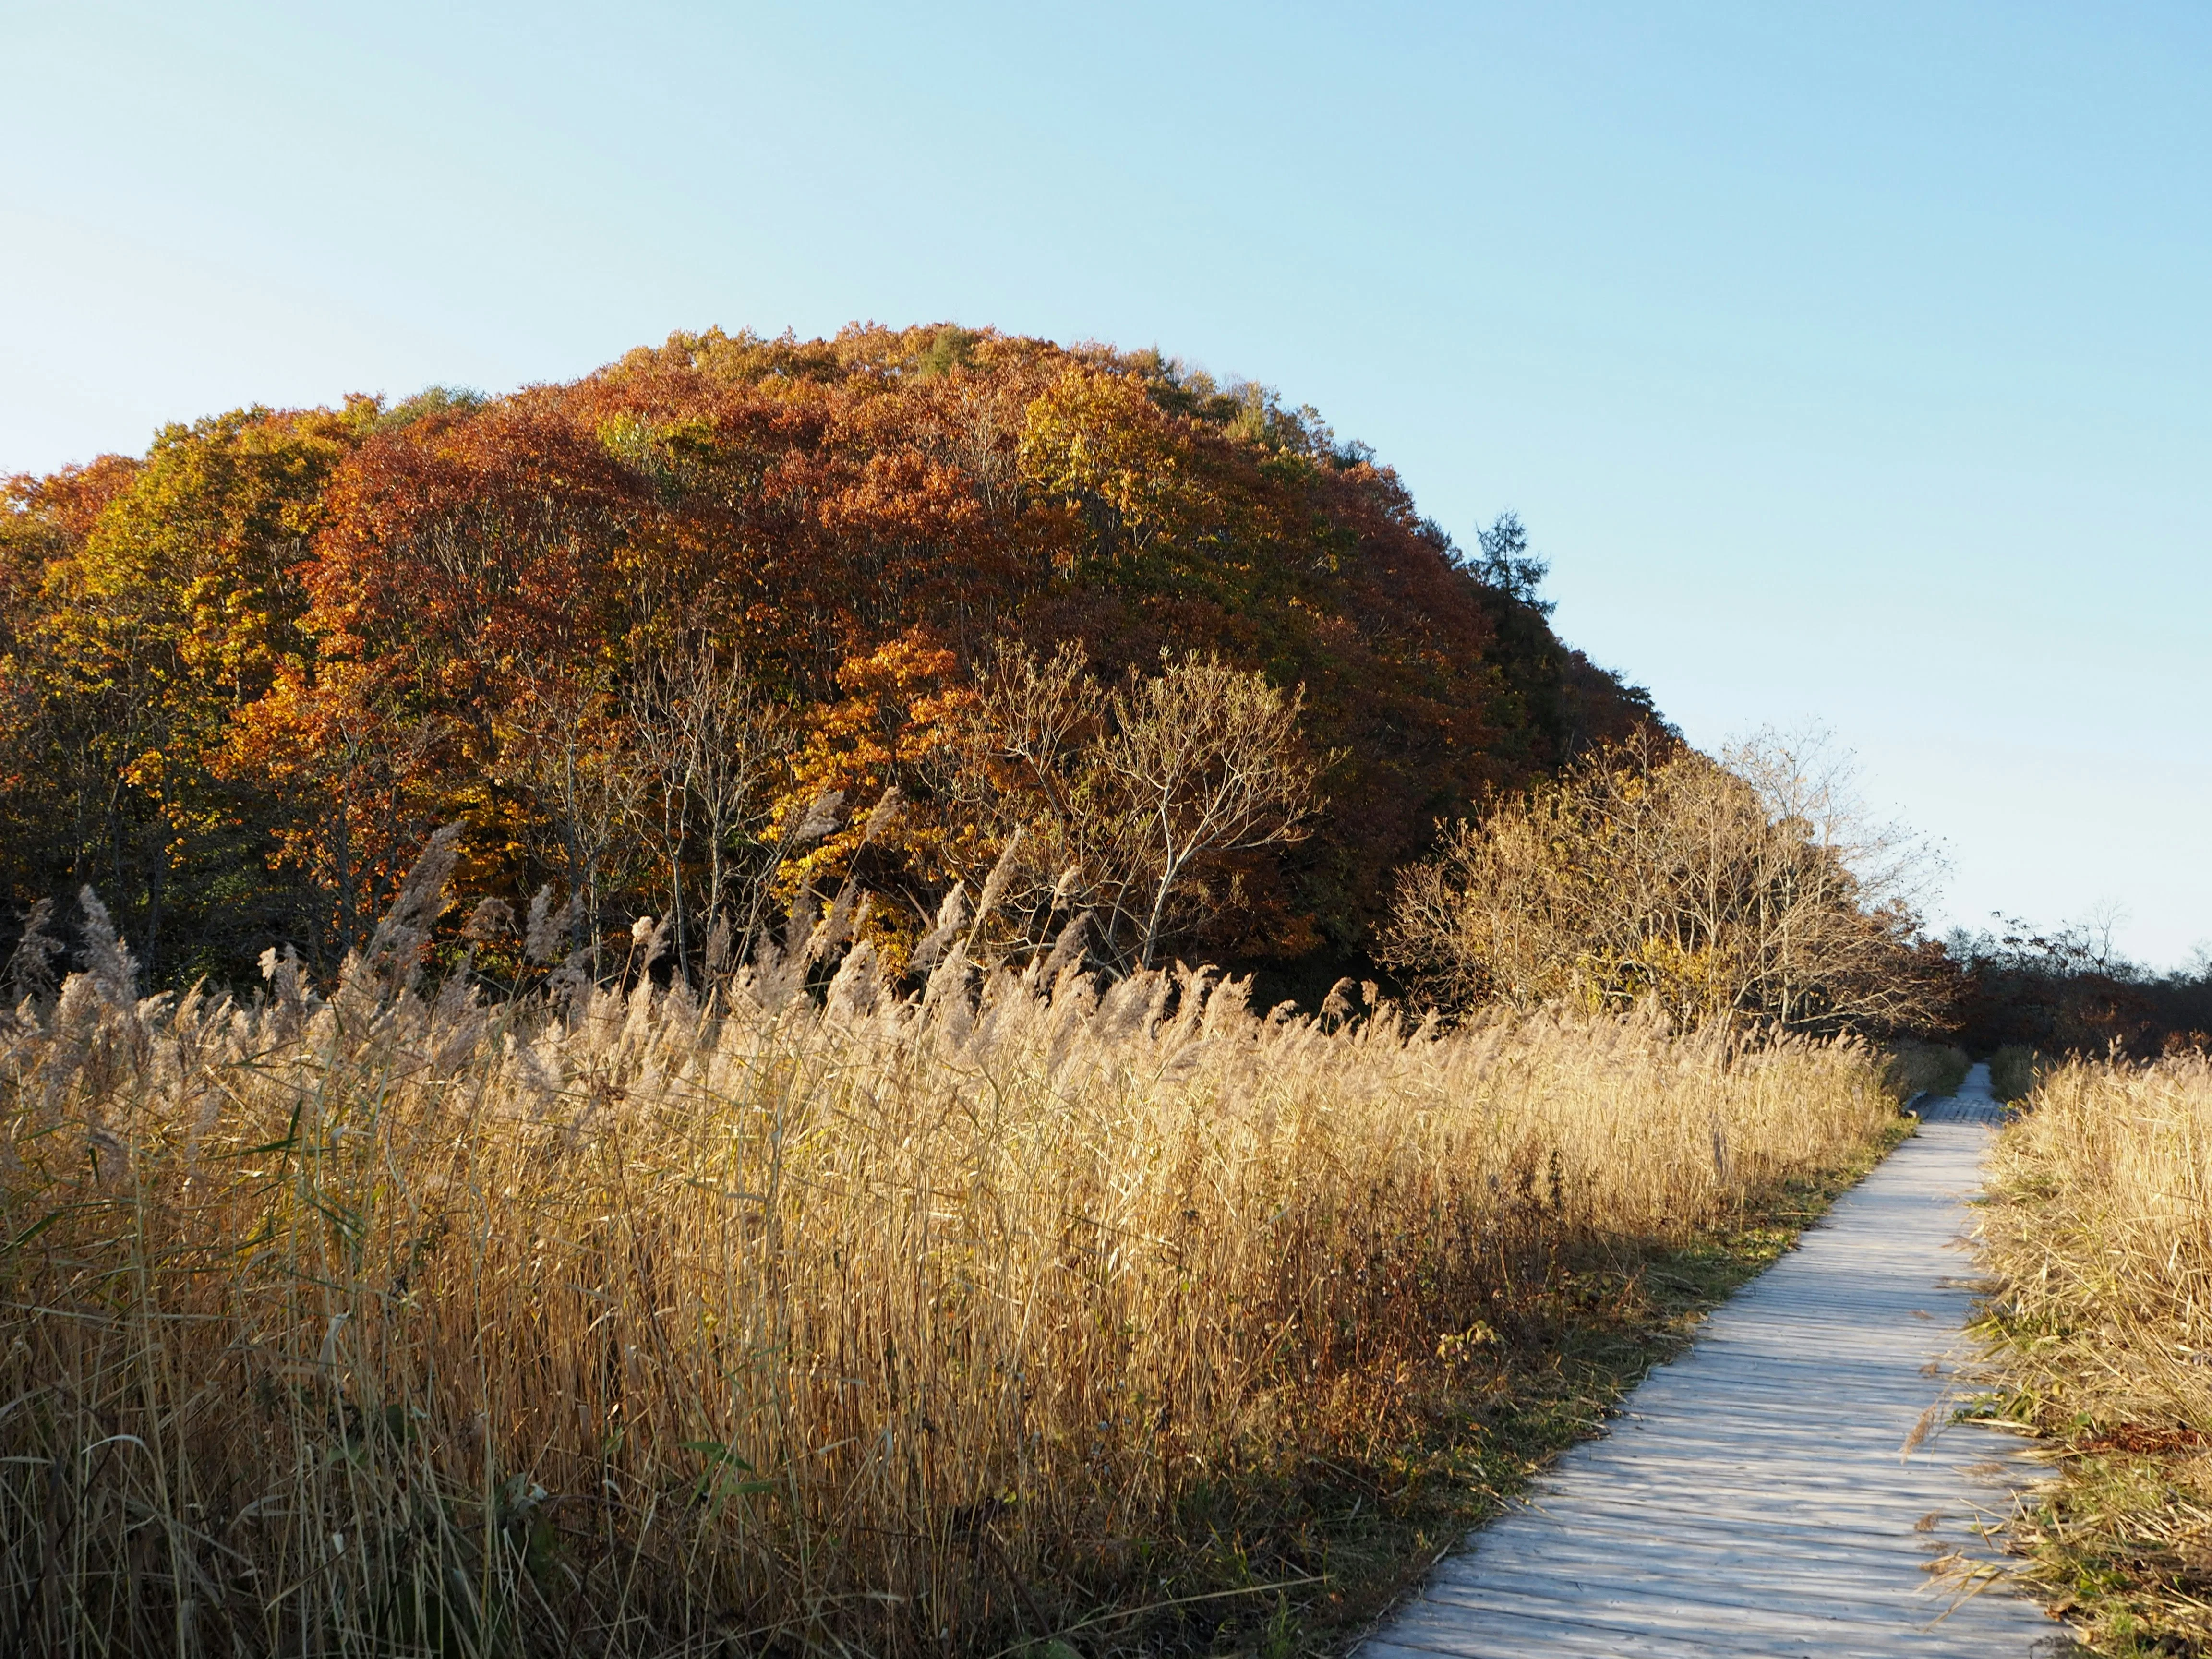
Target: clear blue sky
{"x": 1848, "y": 362}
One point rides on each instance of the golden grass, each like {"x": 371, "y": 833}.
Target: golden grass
{"x": 2014, "y": 1072}
{"x": 622, "y": 1326}
{"x": 2100, "y": 1231}
{"x": 1932, "y": 1068}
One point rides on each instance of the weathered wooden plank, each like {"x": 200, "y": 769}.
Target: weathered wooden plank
{"x": 1755, "y": 1496}
{"x": 1810, "y": 1613}
{"x": 1845, "y": 1590}
{"x": 1690, "y": 1514}
{"x": 1542, "y": 1631}
{"x": 1586, "y": 1560}
{"x": 1565, "y": 1542}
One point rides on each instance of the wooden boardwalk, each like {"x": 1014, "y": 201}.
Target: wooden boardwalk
{"x": 1755, "y": 1496}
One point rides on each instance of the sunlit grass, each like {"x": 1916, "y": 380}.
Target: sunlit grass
{"x": 840, "y": 1321}
{"x": 2101, "y": 1235}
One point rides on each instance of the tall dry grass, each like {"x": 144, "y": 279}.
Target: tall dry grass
{"x": 2013, "y": 1072}
{"x": 2100, "y": 1232}
{"x": 606, "y": 1322}
{"x": 1918, "y": 1067}
{"x": 2103, "y": 1230}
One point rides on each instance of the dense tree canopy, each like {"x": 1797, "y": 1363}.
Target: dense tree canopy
{"x": 637, "y": 631}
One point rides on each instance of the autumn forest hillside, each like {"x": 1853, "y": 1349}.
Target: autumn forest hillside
{"x": 662, "y": 638}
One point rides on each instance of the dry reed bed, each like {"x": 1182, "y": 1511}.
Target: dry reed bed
{"x": 2099, "y": 1230}
{"x": 619, "y": 1325}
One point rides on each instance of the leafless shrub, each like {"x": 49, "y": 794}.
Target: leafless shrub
{"x": 1123, "y": 797}
{"x": 565, "y": 742}
{"x": 710, "y": 748}
{"x": 1651, "y": 871}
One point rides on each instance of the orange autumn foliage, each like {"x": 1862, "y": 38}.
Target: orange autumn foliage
{"x": 237, "y": 676}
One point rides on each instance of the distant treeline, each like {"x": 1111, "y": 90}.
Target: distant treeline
{"x": 1159, "y": 651}
{"x": 2065, "y": 991}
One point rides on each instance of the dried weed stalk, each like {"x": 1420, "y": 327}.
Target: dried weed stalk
{"x": 610, "y": 1322}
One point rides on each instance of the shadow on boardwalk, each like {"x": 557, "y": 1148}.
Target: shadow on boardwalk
{"x": 1783, "y": 1487}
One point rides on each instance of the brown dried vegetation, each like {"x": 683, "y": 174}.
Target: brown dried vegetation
{"x": 603, "y": 1320}
{"x": 1649, "y": 872}
{"x": 241, "y": 678}
{"x": 2101, "y": 1233}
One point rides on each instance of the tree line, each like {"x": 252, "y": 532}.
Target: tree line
{"x": 632, "y": 630}
{"x": 2066, "y": 990}
{"x": 1083, "y": 643}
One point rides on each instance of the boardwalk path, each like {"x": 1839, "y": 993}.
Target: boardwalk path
{"x": 1752, "y": 1499}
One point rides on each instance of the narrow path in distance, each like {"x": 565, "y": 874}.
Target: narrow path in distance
{"x": 1755, "y": 1496}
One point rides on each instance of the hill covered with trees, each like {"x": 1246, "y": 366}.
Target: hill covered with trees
{"x": 1135, "y": 644}
{"x": 961, "y": 1273}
